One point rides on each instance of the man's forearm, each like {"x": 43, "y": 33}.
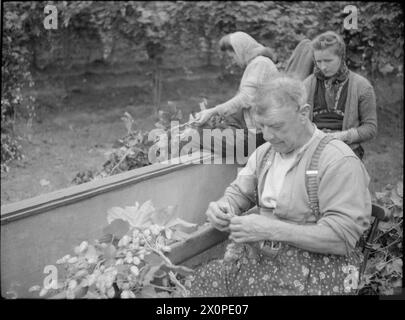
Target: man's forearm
{"x": 315, "y": 238}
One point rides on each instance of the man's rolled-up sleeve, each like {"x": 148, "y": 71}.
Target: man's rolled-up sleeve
{"x": 344, "y": 199}
{"x": 241, "y": 192}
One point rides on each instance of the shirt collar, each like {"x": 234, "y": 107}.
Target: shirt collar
{"x": 302, "y": 149}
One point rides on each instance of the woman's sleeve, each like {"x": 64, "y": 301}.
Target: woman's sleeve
{"x": 367, "y": 115}
{"x": 255, "y": 74}
{"x": 308, "y": 84}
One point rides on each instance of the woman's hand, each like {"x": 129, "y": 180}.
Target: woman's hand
{"x": 340, "y": 135}
{"x": 204, "y": 115}
{"x": 219, "y": 214}
{"x": 252, "y": 227}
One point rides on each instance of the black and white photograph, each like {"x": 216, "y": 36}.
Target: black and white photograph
{"x": 153, "y": 150}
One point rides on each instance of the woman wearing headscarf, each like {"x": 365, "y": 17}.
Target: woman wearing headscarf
{"x": 259, "y": 68}
{"x": 343, "y": 102}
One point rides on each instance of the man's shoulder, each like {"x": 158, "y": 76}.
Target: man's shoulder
{"x": 339, "y": 160}
{"x": 335, "y": 151}
{"x": 260, "y": 151}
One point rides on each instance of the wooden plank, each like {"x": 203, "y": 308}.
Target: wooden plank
{"x": 201, "y": 240}
{"x": 42, "y": 203}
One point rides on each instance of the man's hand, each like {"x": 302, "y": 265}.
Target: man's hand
{"x": 219, "y": 214}
{"x": 252, "y": 227}
{"x": 204, "y": 115}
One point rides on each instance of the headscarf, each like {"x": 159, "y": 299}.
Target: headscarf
{"x": 246, "y": 48}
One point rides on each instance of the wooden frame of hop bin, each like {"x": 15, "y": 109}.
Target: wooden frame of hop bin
{"x": 38, "y": 231}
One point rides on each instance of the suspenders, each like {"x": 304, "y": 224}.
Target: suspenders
{"x": 271, "y": 248}
{"x": 311, "y": 175}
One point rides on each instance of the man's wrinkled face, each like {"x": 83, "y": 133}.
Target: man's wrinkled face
{"x": 327, "y": 61}
{"x": 282, "y": 126}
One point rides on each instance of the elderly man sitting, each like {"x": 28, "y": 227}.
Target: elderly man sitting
{"x": 294, "y": 213}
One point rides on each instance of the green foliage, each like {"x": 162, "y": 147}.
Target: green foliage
{"x": 158, "y": 25}
{"x": 10, "y": 149}
{"x": 138, "y": 21}
{"x": 15, "y": 74}
{"x": 376, "y": 47}
{"x": 129, "y": 261}
{"x": 132, "y": 154}
{"x": 383, "y": 275}
{"x": 133, "y": 149}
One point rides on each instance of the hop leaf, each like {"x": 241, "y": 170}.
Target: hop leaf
{"x": 118, "y": 228}
{"x": 109, "y": 252}
{"x": 135, "y": 216}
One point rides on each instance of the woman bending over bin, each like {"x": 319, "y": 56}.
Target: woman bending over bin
{"x": 293, "y": 228}
{"x": 259, "y": 68}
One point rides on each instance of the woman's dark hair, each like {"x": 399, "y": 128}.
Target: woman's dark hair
{"x": 225, "y": 43}
{"x": 330, "y": 39}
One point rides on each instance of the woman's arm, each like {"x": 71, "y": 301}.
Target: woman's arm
{"x": 367, "y": 114}
{"x": 256, "y": 73}
{"x": 367, "y": 110}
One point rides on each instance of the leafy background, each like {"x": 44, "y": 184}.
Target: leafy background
{"x": 177, "y": 34}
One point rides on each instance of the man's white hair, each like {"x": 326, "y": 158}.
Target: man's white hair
{"x": 280, "y": 92}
